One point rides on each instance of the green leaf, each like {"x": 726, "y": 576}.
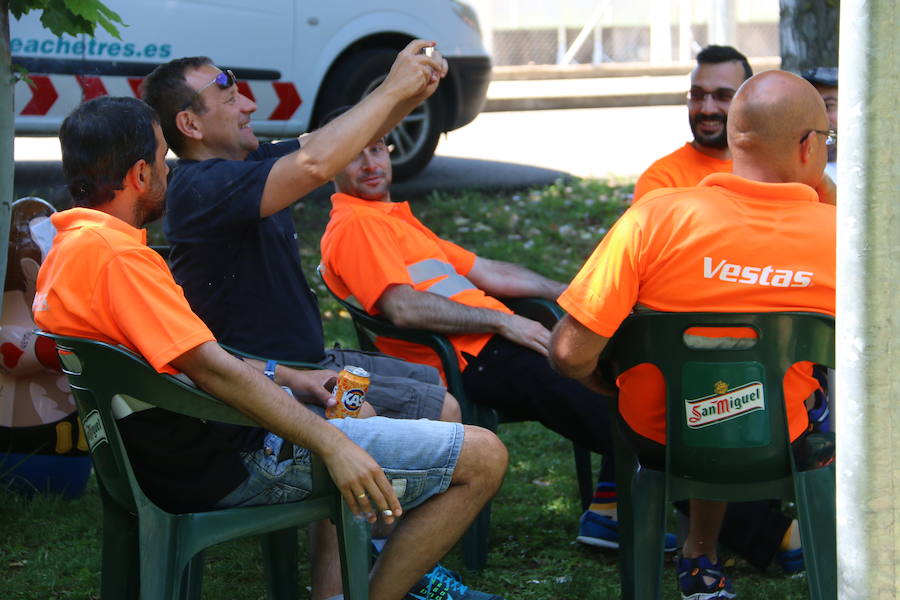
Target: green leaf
{"x": 17, "y": 8}
{"x": 98, "y": 13}
{"x": 61, "y": 22}
{"x": 71, "y": 17}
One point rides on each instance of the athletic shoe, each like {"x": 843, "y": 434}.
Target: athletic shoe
{"x": 791, "y": 561}
{"x": 443, "y": 584}
{"x": 603, "y": 532}
{"x": 699, "y": 579}
{"x": 820, "y": 417}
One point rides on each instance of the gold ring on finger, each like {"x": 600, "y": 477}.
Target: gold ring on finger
{"x": 361, "y": 496}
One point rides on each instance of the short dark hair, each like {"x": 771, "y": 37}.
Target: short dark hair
{"x": 713, "y": 54}
{"x": 101, "y": 140}
{"x": 167, "y": 92}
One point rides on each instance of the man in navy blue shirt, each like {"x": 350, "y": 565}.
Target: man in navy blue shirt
{"x": 232, "y": 236}
{"x": 231, "y": 230}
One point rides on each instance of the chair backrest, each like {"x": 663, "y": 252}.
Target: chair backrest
{"x": 368, "y": 327}
{"x": 106, "y": 380}
{"x": 726, "y": 419}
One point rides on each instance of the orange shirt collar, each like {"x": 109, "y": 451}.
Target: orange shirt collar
{"x": 338, "y": 200}
{"x": 759, "y": 189}
{"x": 76, "y": 218}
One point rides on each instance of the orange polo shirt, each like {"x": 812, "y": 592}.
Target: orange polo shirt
{"x": 369, "y": 246}
{"x": 728, "y": 245}
{"x": 683, "y": 168}
{"x": 101, "y": 281}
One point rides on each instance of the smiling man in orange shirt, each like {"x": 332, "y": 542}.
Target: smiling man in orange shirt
{"x": 720, "y": 71}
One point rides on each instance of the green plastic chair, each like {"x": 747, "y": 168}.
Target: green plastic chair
{"x": 368, "y": 327}
{"x": 727, "y": 435}
{"x": 151, "y": 554}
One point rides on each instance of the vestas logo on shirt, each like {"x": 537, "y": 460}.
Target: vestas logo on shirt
{"x": 767, "y": 276}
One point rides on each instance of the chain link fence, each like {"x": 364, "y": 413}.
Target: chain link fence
{"x": 537, "y": 32}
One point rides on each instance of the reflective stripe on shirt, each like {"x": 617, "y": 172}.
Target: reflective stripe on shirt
{"x": 431, "y": 268}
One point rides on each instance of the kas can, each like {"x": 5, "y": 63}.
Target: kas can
{"x": 350, "y": 392}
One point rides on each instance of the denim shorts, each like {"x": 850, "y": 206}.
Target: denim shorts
{"x": 418, "y": 457}
{"x": 398, "y": 388}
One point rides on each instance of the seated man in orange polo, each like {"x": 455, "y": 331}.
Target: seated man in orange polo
{"x": 755, "y": 240}
{"x": 101, "y": 281}
{"x": 377, "y": 254}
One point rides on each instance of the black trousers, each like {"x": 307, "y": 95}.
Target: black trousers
{"x": 521, "y": 383}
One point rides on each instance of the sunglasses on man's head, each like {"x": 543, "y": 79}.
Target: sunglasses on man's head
{"x": 225, "y": 79}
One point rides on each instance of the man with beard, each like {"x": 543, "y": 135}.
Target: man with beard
{"x": 719, "y": 73}
{"x": 377, "y": 254}
{"x": 101, "y": 281}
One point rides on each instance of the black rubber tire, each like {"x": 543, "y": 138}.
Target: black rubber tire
{"x": 415, "y": 138}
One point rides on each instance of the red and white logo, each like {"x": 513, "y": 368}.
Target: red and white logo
{"x": 724, "y": 405}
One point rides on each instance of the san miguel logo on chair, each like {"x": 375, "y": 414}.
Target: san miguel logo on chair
{"x": 725, "y": 404}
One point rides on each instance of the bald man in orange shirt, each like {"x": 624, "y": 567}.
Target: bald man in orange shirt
{"x": 755, "y": 240}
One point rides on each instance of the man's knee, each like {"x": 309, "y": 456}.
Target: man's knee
{"x": 450, "y": 411}
{"x": 483, "y": 457}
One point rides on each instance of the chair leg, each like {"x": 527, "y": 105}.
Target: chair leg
{"x": 164, "y": 570}
{"x": 475, "y": 540}
{"x": 647, "y": 523}
{"x": 192, "y": 581}
{"x": 354, "y": 537}
{"x": 642, "y": 514}
{"x": 279, "y": 555}
{"x": 119, "y": 575}
{"x": 815, "y": 491}
{"x": 584, "y": 474}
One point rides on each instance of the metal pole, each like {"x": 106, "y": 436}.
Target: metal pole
{"x": 592, "y": 23}
{"x": 685, "y": 35}
{"x": 7, "y": 164}
{"x": 722, "y": 26}
{"x": 597, "y": 54}
{"x": 868, "y": 305}
{"x": 660, "y": 32}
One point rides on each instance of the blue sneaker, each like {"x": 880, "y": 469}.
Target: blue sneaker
{"x": 603, "y": 532}
{"x": 443, "y": 584}
{"x": 700, "y": 579}
{"x": 791, "y": 561}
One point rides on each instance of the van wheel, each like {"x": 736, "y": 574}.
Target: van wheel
{"x": 415, "y": 138}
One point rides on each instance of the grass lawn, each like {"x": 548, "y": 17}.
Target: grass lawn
{"x": 50, "y": 548}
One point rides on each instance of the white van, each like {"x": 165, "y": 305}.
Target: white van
{"x": 297, "y": 59}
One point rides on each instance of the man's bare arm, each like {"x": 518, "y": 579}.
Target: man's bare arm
{"x": 507, "y": 280}
{"x": 412, "y": 79}
{"x": 312, "y": 386}
{"x": 406, "y": 307}
{"x": 574, "y": 352}
{"x": 247, "y": 390}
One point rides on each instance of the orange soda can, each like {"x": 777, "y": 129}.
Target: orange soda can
{"x": 350, "y": 392}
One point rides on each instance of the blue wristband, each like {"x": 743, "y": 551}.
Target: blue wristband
{"x": 270, "y": 369}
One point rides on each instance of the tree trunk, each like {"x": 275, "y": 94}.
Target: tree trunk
{"x": 7, "y": 161}
{"x": 809, "y": 34}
